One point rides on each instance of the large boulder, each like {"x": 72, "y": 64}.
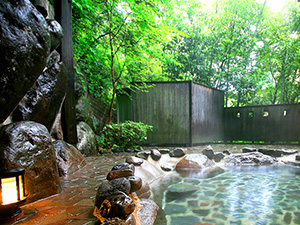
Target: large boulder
{"x": 28, "y": 145}
{"x": 87, "y": 143}
{"x": 251, "y": 158}
{"x": 193, "y": 163}
{"x": 43, "y": 101}
{"x": 25, "y": 46}
{"x": 69, "y": 159}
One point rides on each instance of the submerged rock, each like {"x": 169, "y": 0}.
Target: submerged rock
{"x": 252, "y": 158}
{"x": 180, "y": 190}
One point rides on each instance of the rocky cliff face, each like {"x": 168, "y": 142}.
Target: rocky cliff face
{"x": 25, "y": 47}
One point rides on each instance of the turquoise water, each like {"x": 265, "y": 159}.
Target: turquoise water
{"x": 251, "y": 195}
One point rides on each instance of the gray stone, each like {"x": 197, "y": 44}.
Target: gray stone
{"x": 227, "y": 152}
{"x": 121, "y": 170}
{"x": 248, "y": 149}
{"x": 143, "y": 155}
{"x": 155, "y": 154}
{"x": 135, "y": 182}
{"x": 56, "y": 33}
{"x": 251, "y": 158}
{"x": 166, "y": 168}
{"x": 209, "y": 152}
{"x": 110, "y": 188}
{"x": 289, "y": 152}
{"x": 68, "y": 158}
{"x": 144, "y": 191}
{"x": 28, "y": 145}
{"x": 43, "y": 101}
{"x": 122, "y": 184}
{"x": 147, "y": 212}
{"x": 87, "y": 143}
{"x": 134, "y": 160}
{"x": 177, "y": 152}
{"x": 297, "y": 157}
{"x": 164, "y": 151}
{"x": 219, "y": 156}
{"x": 25, "y": 46}
{"x": 271, "y": 152}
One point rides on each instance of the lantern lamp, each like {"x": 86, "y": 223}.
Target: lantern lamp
{"x": 12, "y": 194}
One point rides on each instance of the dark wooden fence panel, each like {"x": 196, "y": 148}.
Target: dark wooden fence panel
{"x": 123, "y": 108}
{"x": 207, "y": 114}
{"x": 270, "y": 123}
{"x": 166, "y": 107}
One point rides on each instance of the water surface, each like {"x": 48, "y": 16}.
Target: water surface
{"x": 249, "y": 195}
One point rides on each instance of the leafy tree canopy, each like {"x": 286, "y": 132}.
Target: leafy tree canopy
{"x": 242, "y": 47}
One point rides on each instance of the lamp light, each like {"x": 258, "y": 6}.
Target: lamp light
{"x": 12, "y": 194}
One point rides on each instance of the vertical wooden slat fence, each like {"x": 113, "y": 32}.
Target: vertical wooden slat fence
{"x": 181, "y": 113}
{"x": 265, "y": 124}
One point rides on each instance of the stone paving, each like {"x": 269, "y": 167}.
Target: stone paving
{"x": 75, "y": 204}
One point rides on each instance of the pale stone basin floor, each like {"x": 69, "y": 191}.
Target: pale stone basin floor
{"x": 74, "y": 205}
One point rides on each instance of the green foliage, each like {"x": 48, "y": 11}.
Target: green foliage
{"x": 239, "y": 46}
{"x": 127, "y": 135}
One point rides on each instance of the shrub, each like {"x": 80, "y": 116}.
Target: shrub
{"x": 128, "y": 135}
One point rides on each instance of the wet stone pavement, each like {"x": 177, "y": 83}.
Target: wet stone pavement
{"x": 75, "y": 204}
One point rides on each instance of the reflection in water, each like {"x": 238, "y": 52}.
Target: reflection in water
{"x": 243, "y": 195}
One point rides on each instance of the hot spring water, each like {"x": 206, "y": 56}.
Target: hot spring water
{"x": 248, "y": 195}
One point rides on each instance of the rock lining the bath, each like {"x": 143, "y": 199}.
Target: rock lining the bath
{"x": 251, "y": 158}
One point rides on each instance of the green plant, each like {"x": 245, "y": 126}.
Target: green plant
{"x": 127, "y": 135}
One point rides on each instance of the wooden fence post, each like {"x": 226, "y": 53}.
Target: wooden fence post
{"x": 63, "y": 14}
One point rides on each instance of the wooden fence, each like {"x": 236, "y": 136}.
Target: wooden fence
{"x": 181, "y": 113}
{"x": 265, "y": 124}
